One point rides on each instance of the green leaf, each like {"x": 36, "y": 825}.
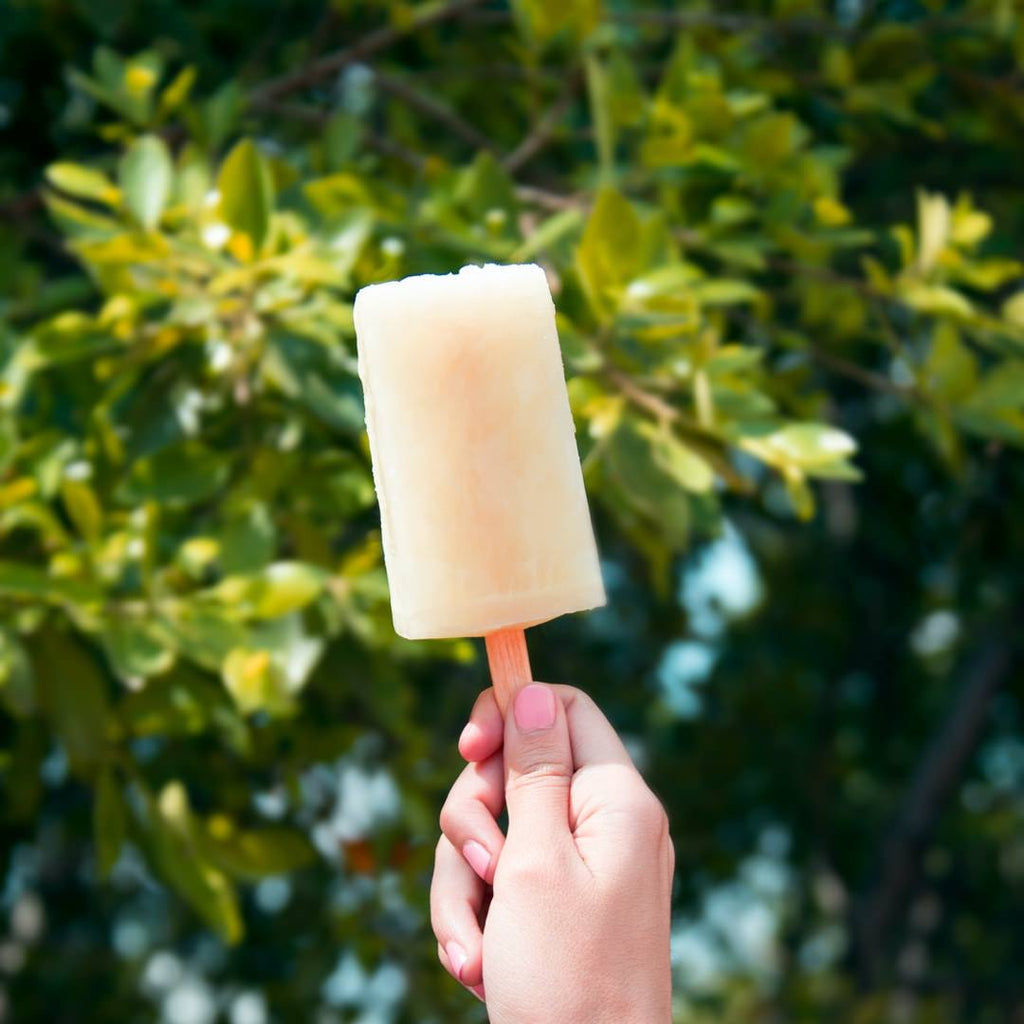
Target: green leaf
{"x": 176, "y": 848}
{"x": 801, "y": 448}
{"x": 146, "y": 176}
{"x": 809, "y": 444}
{"x": 177, "y": 475}
{"x": 246, "y": 192}
{"x": 280, "y": 589}
{"x": 249, "y": 854}
{"x": 32, "y": 584}
{"x": 17, "y": 688}
{"x": 1002, "y": 388}
{"x": 541, "y": 20}
{"x": 73, "y": 693}
{"x": 725, "y": 292}
{"x": 177, "y": 92}
{"x": 83, "y": 183}
{"x": 681, "y": 463}
{"x": 83, "y": 509}
{"x": 646, "y": 483}
{"x": 611, "y": 250}
{"x": 108, "y": 821}
{"x": 256, "y": 682}
{"x": 951, "y": 371}
{"x": 937, "y": 300}
{"x": 248, "y": 541}
{"x": 485, "y": 187}
{"x": 183, "y": 702}
{"x": 137, "y": 649}
{"x": 1013, "y": 309}
{"x": 79, "y": 221}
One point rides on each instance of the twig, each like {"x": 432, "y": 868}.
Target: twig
{"x": 544, "y": 130}
{"x": 866, "y": 377}
{"x": 381, "y": 143}
{"x": 823, "y": 274}
{"x": 432, "y": 108}
{"x": 629, "y": 389}
{"x": 550, "y": 200}
{"x": 933, "y": 782}
{"x": 330, "y": 64}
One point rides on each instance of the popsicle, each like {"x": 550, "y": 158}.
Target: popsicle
{"x": 484, "y": 516}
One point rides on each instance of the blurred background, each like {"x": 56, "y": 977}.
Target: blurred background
{"x": 784, "y": 238}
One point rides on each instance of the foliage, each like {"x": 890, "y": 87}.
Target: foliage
{"x": 773, "y": 238}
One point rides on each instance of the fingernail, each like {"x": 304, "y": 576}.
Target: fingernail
{"x": 477, "y": 857}
{"x": 534, "y": 708}
{"x": 478, "y": 991}
{"x": 457, "y": 956}
{"x": 468, "y": 733}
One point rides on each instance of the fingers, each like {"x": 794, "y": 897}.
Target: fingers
{"x": 485, "y": 731}
{"x": 591, "y": 735}
{"x": 469, "y": 813}
{"x": 456, "y": 903}
{"x": 539, "y": 768}
{"x": 594, "y": 740}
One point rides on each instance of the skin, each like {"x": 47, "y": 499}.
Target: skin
{"x": 565, "y": 919}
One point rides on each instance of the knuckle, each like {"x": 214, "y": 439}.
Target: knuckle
{"x": 540, "y": 774}
{"x": 650, "y": 815}
{"x": 446, "y": 819}
{"x": 525, "y": 872}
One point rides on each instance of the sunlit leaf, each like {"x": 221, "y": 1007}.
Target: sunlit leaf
{"x": 83, "y": 183}
{"x": 246, "y": 191}
{"x": 146, "y": 175}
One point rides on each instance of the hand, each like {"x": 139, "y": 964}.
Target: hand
{"x": 567, "y": 918}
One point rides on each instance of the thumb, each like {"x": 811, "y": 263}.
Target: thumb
{"x": 538, "y": 766}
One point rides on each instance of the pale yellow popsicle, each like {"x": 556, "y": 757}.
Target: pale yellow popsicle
{"x": 484, "y": 515}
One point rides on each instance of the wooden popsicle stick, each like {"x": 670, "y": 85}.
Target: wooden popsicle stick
{"x": 510, "y": 664}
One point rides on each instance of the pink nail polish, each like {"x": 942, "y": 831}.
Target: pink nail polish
{"x": 457, "y": 956}
{"x": 477, "y": 857}
{"x": 468, "y": 733}
{"x": 534, "y": 708}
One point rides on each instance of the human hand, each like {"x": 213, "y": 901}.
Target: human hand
{"x": 567, "y": 918}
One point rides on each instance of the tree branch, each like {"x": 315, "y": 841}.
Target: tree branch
{"x": 380, "y": 143}
{"x": 550, "y": 200}
{"x": 870, "y": 379}
{"x": 433, "y": 108}
{"x": 542, "y": 133}
{"x": 330, "y": 64}
{"x": 934, "y": 781}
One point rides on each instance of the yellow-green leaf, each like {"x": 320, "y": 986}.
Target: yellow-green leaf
{"x": 937, "y": 300}
{"x": 246, "y": 191}
{"x": 83, "y": 508}
{"x": 934, "y": 222}
{"x": 137, "y": 649}
{"x": 83, "y": 182}
{"x": 690, "y": 470}
{"x": 611, "y": 249}
{"x": 146, "y": 175}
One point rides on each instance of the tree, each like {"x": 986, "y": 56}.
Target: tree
{"x": 784, "y": 249}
